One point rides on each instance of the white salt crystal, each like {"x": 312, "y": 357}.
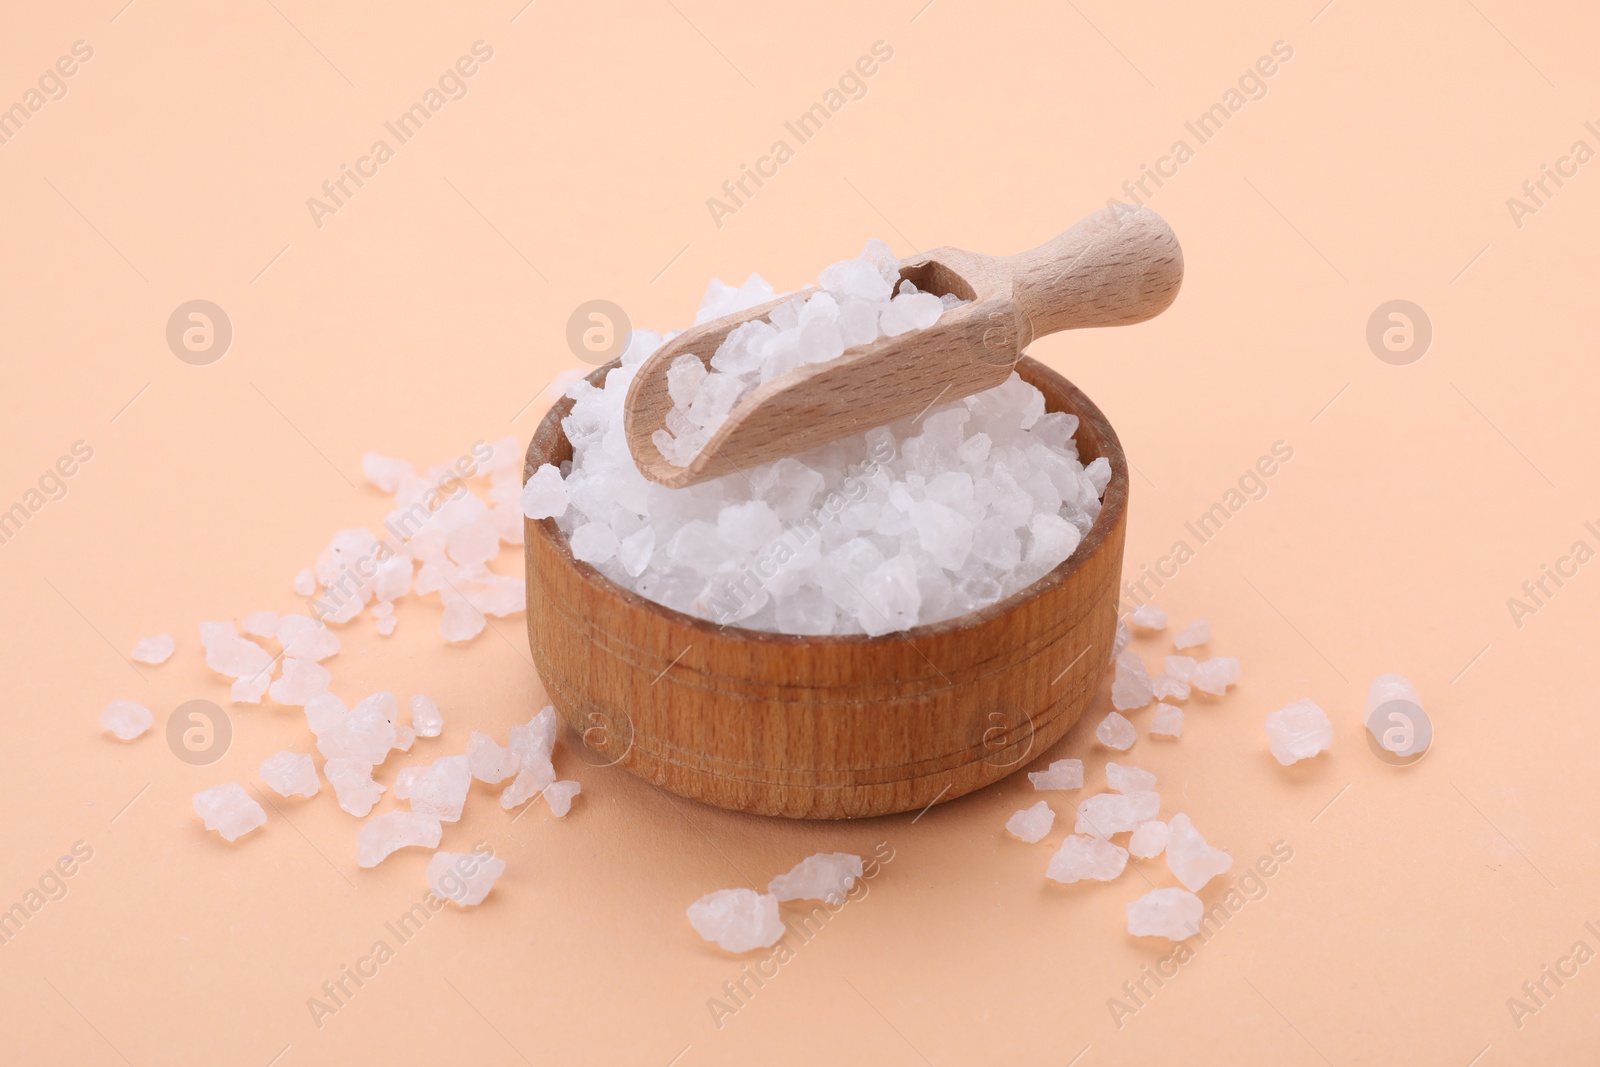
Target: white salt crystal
{"x": 1148, "y": 617}
{"x": 1215, "y": 675}
{"x": 1053, "y": 539}
{"x": 394, "y": 830}
{"x": 404, "y": 737}
{"x": 1170, "y": 913}
{"x": 1081, "y": 858}
{"x": 157, "y": 649}
{"x": 385, "y": 625}
{"x": 1115, "y": 731}
{"x": 306, "y": 638}
{"x": 1196, "y": 633}
{"x": 352, "y": 784}
{"x": 426, "y": 717}
{"x": 290, "y": 774}
{"x": 1031, "y": 824}
{"x": 1387, "y": 687}
{"x": 229, "y": 810}
{"x": 386, "y": 473}
{"x": 1193, "y": 861}
{"x": 559, "y": 796}
{"x": 545, "y": 494}
{"x": 738, "y": 920}
{"x": 825, "y": 876}
{"x": 305, "y": 583}
{"x": 489, "y": 761}
{"x": 126, "y": 719}
{"x": 1168, "y": 686}
{"x": 231, "y": 655}
{"x": 533, "y": 742}
{"x": 910, "y": 311}
{"x": 301, "y": 680}
{"x": 405, "y": 779}
{"x": 250, "y": 690}
{"x": 460, "y": 621}
{"x": 1130, "y": 687}
{"x": 1167, "y": 721}
{"x": 323, "y": 711}
{"x": 260, "y": 624}
{"x": 1126, "y": 779}
{"x": 1120, "y": 639}
{"x": 1299, "y": 732}
{"x": 365, "y": 733}
{"x": 463, "y": 878}
{"x": 1109, "y": 814}
{"x": 393, "y": 580}
{"x": 441, "y": 790}
{"x": 1149, "y": 839}
{"x": 1061, "y": 774}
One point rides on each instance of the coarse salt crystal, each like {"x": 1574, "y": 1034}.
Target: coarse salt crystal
{"x": 463, "y": 878}
{"x": 738, "y": 920}
{"x": 1298, "y": 732}
{"x": 826, "y": 876}
{"x": 1149, "y": 839}
{"x": 352, "y": 784}
{"x": 229, "y": 810}
{"x": 1189, "y": 856}
{"x": 1148, "y": 617}
{"x": 1031, "y": 824}
{"x": 1167, "y": 721}
{"x": 157, "y": 649}
{"x": 490, "y": 762}
{"x": 1130, "y": 687}
{"x": 1061, "y": 774}
{"x": 1126, "y": 779}
{"x": 1080, "y": 858}
{"x": 1196, "y": 633}
{"x": 1115, "y": 731}
{"x": 426, "y": 718}
{"x": 290, "y": 774}
{"x": 125, "y": 719}
{"x": 1215, "y": 675}
{"x": 1170, "y": 913}
{"x": 1109, "y": 814}
{"x": 394, "y": 830}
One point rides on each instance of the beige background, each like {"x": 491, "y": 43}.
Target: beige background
{"x": 430, "y": 310}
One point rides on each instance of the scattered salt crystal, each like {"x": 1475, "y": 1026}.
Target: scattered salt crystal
{"x": 260, "y": 624}
{"x": 1215, "y": 675}
{"x": 1170, "y": 686}
{"x": 385, "y": 625}
{"x": 404, "y": 737}
{"x": 1109, "y": 814}
{"x": 231, "y": 655}
{"x": 1031, "y": 824}
{"x": 738, "y": 920}
{"x": 393, "y": 581}
{"x": 461, "y": 621}
{"x": 386, "y": 473}
{"x": 157, "y": 649}
{"x": 533, "y": 742}
{"x": 1387, "y": 687}
{"x": 301, "y": 680}
{"x": 1148, "y": 617}
{"x": 1196, "y": 633}
{"x": 545, "y": 494}
{"x": 394, "y": 830}
{"x": 1149, "y": 839}
{"x": 1170, "y": 913}
{"x": 229, "y": 810}
{"x": 365, "y": 733}
{"x": 1190, "y": 858}
{"x": 405, "y": 779}
{"x": 1120, "y": 639}
{"x": 463, "y": 878}
{"x": 593, "y": 543}
{"x": 352, "y": 784}
{"x": 559, "y": 796}
{"x": 1061, "y": 774}
{"x": 290, "y": 774}
{"x": 306, "y": 638}
{"x": 1081, "y": 858}
{"x": 126, "y": 719}
{"x": 323, "y": 711}
{"x": 1130, "y": 688}
{"x": 488, "y": 760}
{"x": 825, "y": 876}
{"x": 1115, "y": 731}
{"x": 426, "y": 717}
{"x": 441, "y": 790}
{"x": 1299, "y": 732}
{"x": 1167, "y": 721}
{"x": 250, "y": 690}
{"x": 305, "y": 583}
{"x": 1126, "y": 779}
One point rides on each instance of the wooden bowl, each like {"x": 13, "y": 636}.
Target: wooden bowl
{"x": 827, "y": 727}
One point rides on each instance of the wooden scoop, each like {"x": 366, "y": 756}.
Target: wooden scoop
{"x": 1118, "y": 266}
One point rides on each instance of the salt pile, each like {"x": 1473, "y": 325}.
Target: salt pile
{"x": 738, "y": 920}
{"x": 125, "y": 719}
{"x": 1031, "y": 824}
{"x": 1299, "y": 732}
{"x": 826, "y": 876}
{"x": 229, "y": 810}
{"x": 902, "y": 526}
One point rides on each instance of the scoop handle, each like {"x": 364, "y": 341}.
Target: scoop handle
{"x": 1119, "y": 266}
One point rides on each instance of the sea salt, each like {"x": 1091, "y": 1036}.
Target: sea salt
{"x": 231, "y": 655}
{"x": 365, "y": 733}
{"x": 1149, "y": 839}
{"x": 1031, "y": 824}
{"x": 290, "y": 774}
{"x": 300, "y": 680}
{"x": 1130, "y": 686}
{"x": 323, "y": 712}
{"x": 1080, "y": 858}
{"x": 1115, "y": 731}
{"x": 352, "y": 784}
{"x": 1109, "y": 814}
{"x": 1193, "y": 861}
{"x": 394, "y": 830}
{"x": 825, "y": 876}
{"x": 305, "y": 583}
{"x": 463, "y": 878}
{"x": 1148, "y": 617}
{"x": 260, "y": 624}
{"x": 738, "y": 920}
{"x": 1120, "y": 638}
{"x": 1215, "y": 675}
{"x": 1126, "y": 779}
{"x": 250, "y": 690}
{"x": 1167, "y": 721}
{"x": 125, "y": 719}
{"x": 1061, "y": 774}
{"x": 229, "y": 810}
{"x": 533, "y": 742}
{"x": 904, "y": 525}
{"x": 559, "y": 796}
{"x": 426, "y": 718}
{"x": 1173, "y": 681}
{"x": 303, "y": 637}
{"x": 157, "y": 649}
{"x": 441, "y": 790}
{"x": 545, "y": 494}
{"x": 1196, "y": 633}
{"x": 490, "y": 762}
{"x": 1170, "y": 913}
{"x": 1388, "y": 687}
{"x": 1299, "y": 732}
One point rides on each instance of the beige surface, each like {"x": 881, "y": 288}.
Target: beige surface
{"x": 431, "y": 308}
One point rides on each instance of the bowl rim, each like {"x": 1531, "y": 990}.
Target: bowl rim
{"x": 1114, "y": 505}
